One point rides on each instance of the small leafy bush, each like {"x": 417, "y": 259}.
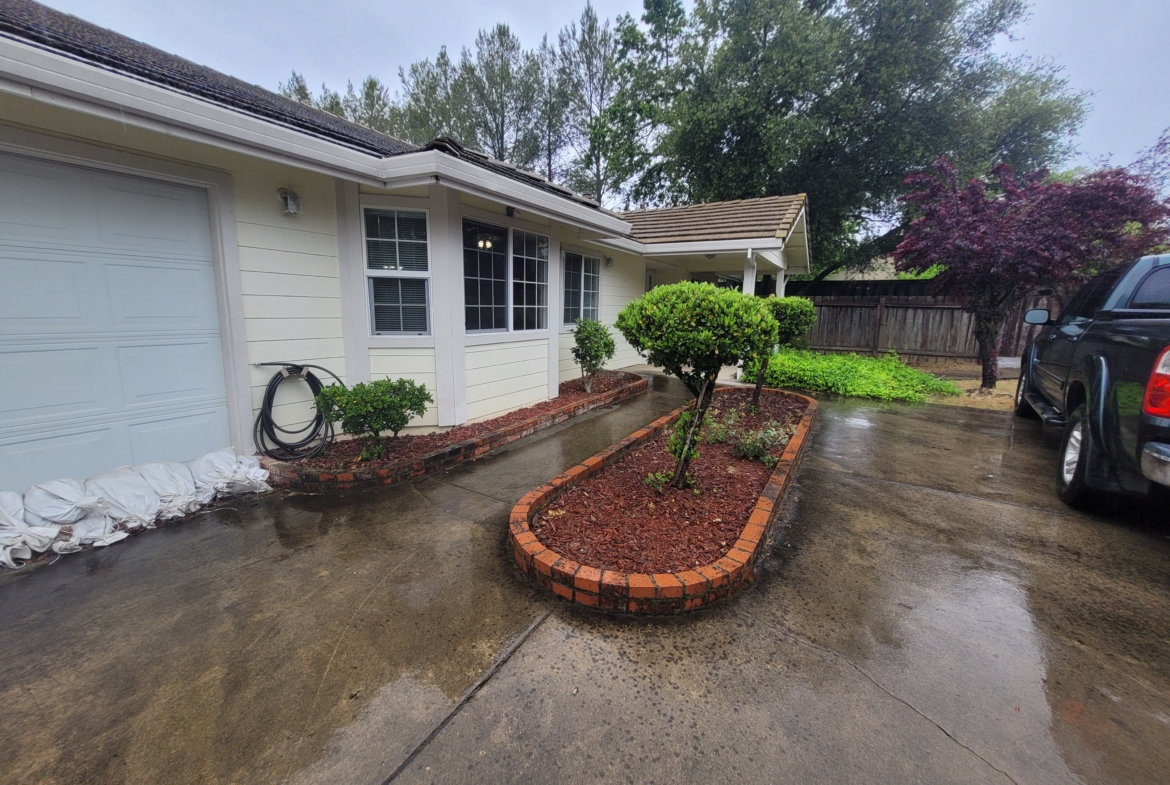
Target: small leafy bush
{"x": 592, "y": 347}
{"x": 367, "y": 409}
{"x": 795, "y": 315}
{"x": 658, "y": 480}
{"x": 884, "y": 378}
{"x": 677, "y": 443}
{"x": 718, "y": 431}
{"x": 759, "y": 445}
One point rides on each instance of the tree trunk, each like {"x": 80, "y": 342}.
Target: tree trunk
{"x": 587, "y": 381}
{"x": 706, "y": 394}
{"x": 986, "y": 334}
{"x": 760, "y": 382}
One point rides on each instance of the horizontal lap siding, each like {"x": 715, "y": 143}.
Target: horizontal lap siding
{"x": 567, "y": 367}
{"x": 290, "y": 284}
{"x": 620, "y": 284}
{"x": 409, "y": 363}
{"x": 506, "y": 376}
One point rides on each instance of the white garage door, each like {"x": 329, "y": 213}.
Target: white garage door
{"x": 109, "y": 332}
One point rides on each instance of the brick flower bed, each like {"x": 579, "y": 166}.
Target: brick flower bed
{"x": 659, "y": 593}
{"x": 312, "y": 480}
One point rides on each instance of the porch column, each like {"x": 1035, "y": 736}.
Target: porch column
{"x": 749, "y": 274}
{"x": 781, "y": 280}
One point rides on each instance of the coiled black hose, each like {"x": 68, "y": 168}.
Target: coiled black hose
{"x": 307, "y": 441}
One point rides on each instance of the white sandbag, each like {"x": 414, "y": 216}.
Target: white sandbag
{"x": 227, "y": 474}
{"x": 18, "y": 540}
{"x": 59, "y": 501}
{"x": 95, "y": 530}
{"x": 127, "y": 498}
{"x": 174, "y": 485}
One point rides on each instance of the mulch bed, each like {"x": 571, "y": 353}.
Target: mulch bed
{"x": 614, "y": 520}
{"x": 345, "y": 455}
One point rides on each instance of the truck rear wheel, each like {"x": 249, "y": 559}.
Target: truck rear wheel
{"x": 1075, "y": 448}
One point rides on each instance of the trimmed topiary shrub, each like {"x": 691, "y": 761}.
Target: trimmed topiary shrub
{"x": 692, "y": 330}
{"x": 592, "y": 347}
{"x": 794, "y": 317}
{"x": 366, "y": 410}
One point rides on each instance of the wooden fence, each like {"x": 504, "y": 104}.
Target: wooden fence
{"x": 876, "y": 316}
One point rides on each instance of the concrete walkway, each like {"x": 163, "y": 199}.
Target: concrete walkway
{"x": 929, "y": 612}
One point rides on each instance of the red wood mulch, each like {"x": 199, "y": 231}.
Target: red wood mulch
{"x": 346, "y": 455}
{"x": 613, "y": 520}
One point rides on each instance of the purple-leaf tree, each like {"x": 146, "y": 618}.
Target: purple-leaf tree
{"x": 998, "y": 239}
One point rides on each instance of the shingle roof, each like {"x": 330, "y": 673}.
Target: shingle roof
{"x": 69, "y": 35}
{"x": 743, "y": 219}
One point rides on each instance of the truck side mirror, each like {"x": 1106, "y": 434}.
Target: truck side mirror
{"x": 1038, "y": 316}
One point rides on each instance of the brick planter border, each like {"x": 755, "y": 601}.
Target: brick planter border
{"x": 661, "y": 593}
{"x": 290, "y": 475}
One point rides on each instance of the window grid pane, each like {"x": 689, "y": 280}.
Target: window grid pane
{"x": 399, "y": 305}
{"x": 572, "y": 287}
{"x": 396, "y": 240}
{"x": 591, "y": 294}
{"x": 529, "y": 281}
{"x": 485, "y": 281}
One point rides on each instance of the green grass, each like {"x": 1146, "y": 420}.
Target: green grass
{"x": 884, "y": 378}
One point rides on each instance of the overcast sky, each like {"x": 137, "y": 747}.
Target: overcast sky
{"x": 1117, "y": 49}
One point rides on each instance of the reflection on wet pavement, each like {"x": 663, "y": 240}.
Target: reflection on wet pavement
{"x": 927, "y": 612}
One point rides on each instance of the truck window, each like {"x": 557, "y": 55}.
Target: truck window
{"x": 1154, "y": 292}
{"x": 1089, "y": 300}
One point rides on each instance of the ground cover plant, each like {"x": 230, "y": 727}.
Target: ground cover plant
{"x": 794, "y": 317}
{"x": 346, "y": 455}
{"x": 629, "y": 517}
{"x": 884, "y": 378}
{"x": 691, "y": 330}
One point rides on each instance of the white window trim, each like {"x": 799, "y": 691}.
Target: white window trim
{"x": 568, "y": 328}
{"x": 370, "y": 202}
{"x": 509, "y": 334}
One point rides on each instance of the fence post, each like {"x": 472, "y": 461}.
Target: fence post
{"x": 879, "y": 317}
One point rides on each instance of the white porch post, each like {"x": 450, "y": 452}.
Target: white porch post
{"x": 749, "y": 273}
{"x": 781, "y": 280}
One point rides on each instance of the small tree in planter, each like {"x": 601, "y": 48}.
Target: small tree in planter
{"x": 366, "y": 410}
{"x": 592, "y": 346}
{"x": 794, "y": 317}
{"x": 692, "y": 330}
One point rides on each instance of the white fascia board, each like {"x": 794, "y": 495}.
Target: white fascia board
{"x": 131, "y": 100}
{"x": 622, "y": 244}
{"x": 466, "y": 176}
{"x": 713, "y": 246}
{"x": 52, "y": 78}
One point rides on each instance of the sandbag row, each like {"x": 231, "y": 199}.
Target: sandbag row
{"x": 67, "y": 515}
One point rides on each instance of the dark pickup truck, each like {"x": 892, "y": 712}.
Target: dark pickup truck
{"x": 1102, "y": 373}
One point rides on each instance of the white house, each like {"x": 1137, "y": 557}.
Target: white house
{"x": 164, "y": 227}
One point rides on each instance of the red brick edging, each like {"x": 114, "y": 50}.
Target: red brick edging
{"x": 661, "y": 593}
{"x": 289, "y": 475}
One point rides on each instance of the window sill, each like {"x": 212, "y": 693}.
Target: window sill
{"x": 401, "y": 341}
{"x": 488, "y": 338}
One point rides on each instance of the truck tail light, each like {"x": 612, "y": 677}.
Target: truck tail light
{"x": 1157, "y": 402}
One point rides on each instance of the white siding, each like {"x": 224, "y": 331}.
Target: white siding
{"x": 409, "y": 363}
{"x": 503, "y": 377}
{"x": 290, "y": 284}
{"x": 620, "y": 284}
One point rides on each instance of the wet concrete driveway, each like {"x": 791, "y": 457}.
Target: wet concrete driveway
{"x": 928, "y": 612}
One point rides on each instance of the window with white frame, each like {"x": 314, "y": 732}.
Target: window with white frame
{"x": 397, "y": 271}
{"x": 529, "y": 281}
{"x": 582, "y": 287}
{"x": 485, "y": 276}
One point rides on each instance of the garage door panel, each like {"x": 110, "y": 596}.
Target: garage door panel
{"x": 142, "y": 296}
{"x": 110, "y": 352}
{"x": 186, "y": 437}
{"x": 171, "y": 372}
{"x": 151, "y": 216}
{"x": 77, "y": 454}
{"x": 41, "y": 293}
{"x": 50, "y": 381}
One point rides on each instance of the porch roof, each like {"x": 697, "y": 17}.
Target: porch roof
{"x": 770, "y": 217}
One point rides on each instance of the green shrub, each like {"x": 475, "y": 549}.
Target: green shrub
{"x": 592, "y": 346}
{"x": 794, "y": 315}
{"x": 759, "y": 445}
{"x": 884, "y": 378}
{"x": 692, "y": 330}
{"x": 366, "y": 410}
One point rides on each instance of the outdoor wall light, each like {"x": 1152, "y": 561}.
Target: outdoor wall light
{"x": 289, "y": 201}
{"x": 609, "y": 261}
